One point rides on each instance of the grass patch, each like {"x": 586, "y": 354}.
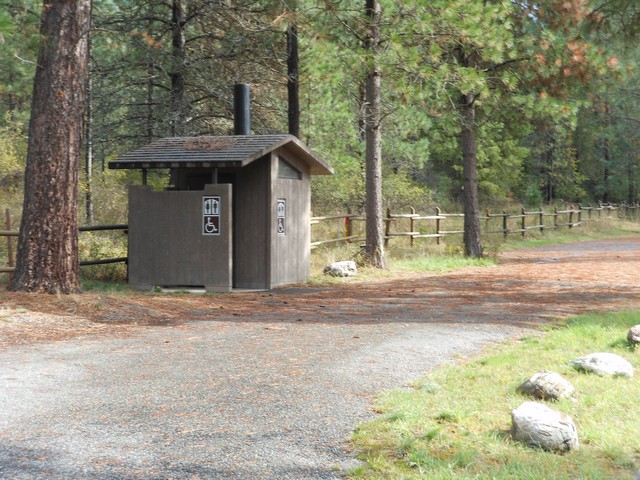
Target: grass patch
{"x": 455, "y": 423}
{"x": 400, "y": 259}
{"x": 596, "y": 229}
{"x": 438, "y": 264}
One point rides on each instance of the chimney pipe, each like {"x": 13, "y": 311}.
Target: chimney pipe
{"x": 241, "y": 109}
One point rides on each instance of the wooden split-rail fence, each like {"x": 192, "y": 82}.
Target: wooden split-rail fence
{"x": 11, "y": 234}
{"x": 349, "y": 227}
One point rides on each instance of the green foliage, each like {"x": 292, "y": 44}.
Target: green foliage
{"x": 12, "y": 158}
{"x": 400, "y": 192}
{"x": 19, "y": 41}
{"x": 541, "y": 81}
{"x": 109, "y": 194}
{"x": 101, "y": 245}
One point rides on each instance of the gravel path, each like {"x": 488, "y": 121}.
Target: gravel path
{"x": 272, "y": 390}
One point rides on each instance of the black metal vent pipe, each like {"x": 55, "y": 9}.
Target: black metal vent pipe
{"x": 241, "y": 109}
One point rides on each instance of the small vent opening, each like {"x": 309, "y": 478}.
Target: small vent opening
{"x": 286, "y": 170}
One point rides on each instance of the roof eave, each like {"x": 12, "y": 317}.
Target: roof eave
{"x": 316, "y": 164}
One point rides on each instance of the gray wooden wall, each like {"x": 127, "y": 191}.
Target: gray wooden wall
{"x": 166, "y": 243}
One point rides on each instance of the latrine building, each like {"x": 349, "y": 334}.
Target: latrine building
{"x": 237, "y": 213}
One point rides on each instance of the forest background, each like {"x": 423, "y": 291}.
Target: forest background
{"x": 554, "y": 87}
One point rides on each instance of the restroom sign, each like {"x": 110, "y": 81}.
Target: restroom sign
{"x": 210, "y": 215}
{"x": 281, "y": 215}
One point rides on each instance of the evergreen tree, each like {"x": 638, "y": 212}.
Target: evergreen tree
{"x": 47, "y": 258}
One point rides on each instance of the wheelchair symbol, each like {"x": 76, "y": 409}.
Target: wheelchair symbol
{"x": 210, "y": 227}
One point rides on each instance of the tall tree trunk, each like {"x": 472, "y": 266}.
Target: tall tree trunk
{"x": 150, "y": 99}
{"x": 177, "y": 74}
{"x": 549, "y": 191}
{"x": 606, "y": 156}
{"x": 293, "y": 75}
{"x": 88, "y": 166}
{"x": 48, "y": 240}
{"x": 472, "y": 244}
{"x": 631, "y": 187}
{"x": 373, "y": 139}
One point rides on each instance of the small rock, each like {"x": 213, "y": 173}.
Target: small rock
{"x": 346, "y": 268}
{"x": 546, "y": 386}
{"x": 604, "y": 364}
{"x": 634, "y": 335}
{"x": 537, "y": 425}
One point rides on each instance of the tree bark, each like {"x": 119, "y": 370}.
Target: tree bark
{"x": 48, "y": 239}
{"x": 150, "y": 116}
{"x": 373, "y": 139}
{"x": 293, "y": 80}
{"x": 472, "y": 243}
{"x": 177, "y": 74}
{"x": 606, "y": 155}
{"x": 631, "y": 187}
{"x": 88, "y": 166}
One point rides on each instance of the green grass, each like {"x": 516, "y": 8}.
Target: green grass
{"x": 597, "y": 229}
{"x": 400, "y": 258}
{"x": 438, "y": 264}
{"x": 455, "y": 423}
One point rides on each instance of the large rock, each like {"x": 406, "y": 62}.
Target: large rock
{"x": 346, "y": 268}
{"x": 537, "y": 425}
{"x": 634, "y": 335}
{"x": 546, "y": 386}
{"x": 604, "y": 364}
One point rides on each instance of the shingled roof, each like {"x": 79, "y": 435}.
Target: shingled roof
{"x": 217, "y": 151}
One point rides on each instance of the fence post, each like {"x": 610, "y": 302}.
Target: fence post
{"x": 9, "y": 243}
{"x": 438, "y": 226}
{"x": 505, "y": 232}
{"x": 570, "y": 216}
{"x": 524, "y": 221}
{"x": 412, "y": 223}
{"x": 541, "y": 219}
{"x": 348, "y": 229}
{"x": 555, "y": 218}
{"x": 486, "y": 224}
{"x": 579, "y": 213}
{"x": 387, "y": 229}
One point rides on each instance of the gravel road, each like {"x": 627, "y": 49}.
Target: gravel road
{"x": 273, "y": 390}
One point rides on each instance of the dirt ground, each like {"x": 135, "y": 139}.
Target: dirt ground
{"x": 564, "y": 279}
{"x": 263, "y": 385}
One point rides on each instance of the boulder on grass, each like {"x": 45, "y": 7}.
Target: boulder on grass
{"x": 346, "y": 268}
{"x": 604, "y": 364}
{"x": 546, "y": 386}
{"x": 538, "y": 426}
{"x": 634, "y": 335}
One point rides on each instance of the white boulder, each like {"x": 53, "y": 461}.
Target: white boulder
{"x": 539, "y": 426}
{"x": 346, "y": 268}
{"x": 634, "y": 335}
{"x": 546, "y": 386}
{"x": 604, "y": 364}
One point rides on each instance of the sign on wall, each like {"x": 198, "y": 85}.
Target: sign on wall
{"x": 281, "y": 214}
{"x": 210, "y": 215}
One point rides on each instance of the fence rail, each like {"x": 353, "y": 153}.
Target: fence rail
{"x": 9, "y": 233}
{"x": 349, "y": 227}
{"x": 414, "y": 225}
